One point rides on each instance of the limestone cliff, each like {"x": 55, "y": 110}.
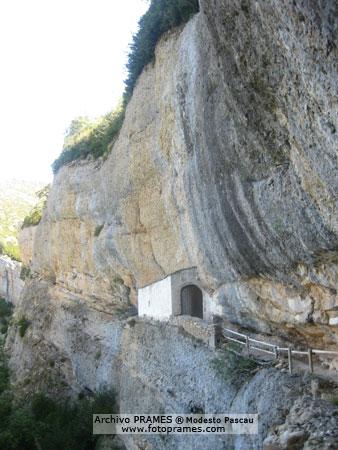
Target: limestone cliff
{"x": 11, "y": 284}
{"x": 227, "y": 161}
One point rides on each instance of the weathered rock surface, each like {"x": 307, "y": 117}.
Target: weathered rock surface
{"x": 11, "y": 284}
{"x": 12, "y": 276}
{"x": 26, "y": 242}
{"x": 227, "y": 161}
{"x": 158, "y": 367}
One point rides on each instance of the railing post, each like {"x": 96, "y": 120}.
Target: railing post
{"x": 276, "y": 352}
{"x": 310, "y": 354}
{"x": 290, "y": 359}
{"x": 247, "y": 343}
{"x": 212, "y": 338}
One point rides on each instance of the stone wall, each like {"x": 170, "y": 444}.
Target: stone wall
{"x": 198, "y": 328}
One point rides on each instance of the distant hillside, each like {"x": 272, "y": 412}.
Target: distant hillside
{"x": 17, "y": 198}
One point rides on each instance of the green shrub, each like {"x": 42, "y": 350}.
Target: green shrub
{"x": 23, "y": 324}
{"x": 98, "y": 230}
{"x": 11, "y": 250}
{"x": 35, "y": 215}
{"x": 25, "y": 272}
{"x": 6, "y": 308}
{"x": 334, "y": 401}
{"x": 85, "y": 137}
{"x": 33, "y": 218}
{"x": 161, "y": 16}
{"x": 51, "y": 425}
{"x": 234, "y": 367}
{"x": 4, "y": 376}
{"x": 118, "y": 280}
{"x": 44, "y": 423}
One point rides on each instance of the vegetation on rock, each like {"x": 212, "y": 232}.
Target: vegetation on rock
{"x": 98, "y": 230}
{"x": 5, "y": 315}
{"x": 161, "y": 16}
{"x": 23, "y": 325}
{"x": 85, "y": 137}
{"x": 25, "y": 272}
{"x": 234, "y": 367}
{"x": 16, "y": 200}
{"x": 35, "y": 215}
{"x": 42, "y": 422}
{"x": 92, "y": 138}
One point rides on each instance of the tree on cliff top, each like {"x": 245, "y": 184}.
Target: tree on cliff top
{"x": 161, "y": 16}
{"x": 85, "y": 138}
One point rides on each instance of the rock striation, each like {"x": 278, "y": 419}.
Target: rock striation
{"x": 11, "y": 284}
{"x": 227, "y": 161}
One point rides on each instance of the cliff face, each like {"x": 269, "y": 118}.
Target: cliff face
{"x": 11, "y": 284}
{"x": 13, "y": 273}
{"x": 227, "y": 161}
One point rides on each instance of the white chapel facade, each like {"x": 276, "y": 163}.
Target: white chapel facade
{"x": 180, "y": 293}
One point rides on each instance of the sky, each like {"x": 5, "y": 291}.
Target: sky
{"x": 59, "y": 59}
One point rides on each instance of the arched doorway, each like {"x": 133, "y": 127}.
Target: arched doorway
{"x": 192, "y": 301}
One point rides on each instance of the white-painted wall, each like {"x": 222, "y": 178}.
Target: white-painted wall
{"x": 333, "y": 321}
{"x": 162, "y": 299}
{"x": 155, "y": 300}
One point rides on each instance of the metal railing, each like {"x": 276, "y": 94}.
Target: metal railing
{"x": 273, "y": 349}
